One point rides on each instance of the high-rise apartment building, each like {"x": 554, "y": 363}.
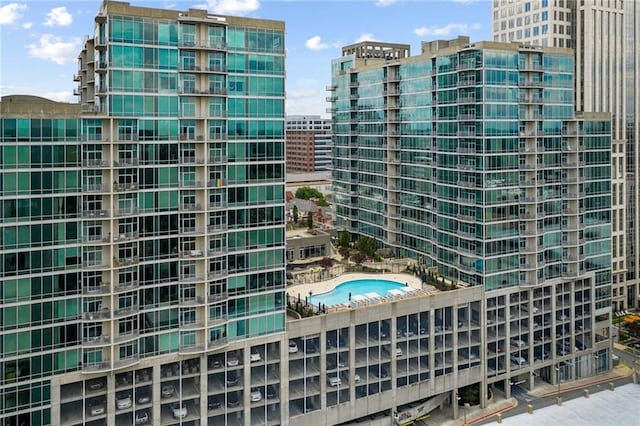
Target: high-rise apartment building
{"x": 604, "y": 36}
{"x": 146, "y": 224}
{"x": 471, "y": 159}
{"x": 308, "y": 141}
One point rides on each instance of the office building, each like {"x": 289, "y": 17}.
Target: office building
{"x": 470, "y": 158}
{"x": 308, "y": 144}
{"x": 604, "y": 36}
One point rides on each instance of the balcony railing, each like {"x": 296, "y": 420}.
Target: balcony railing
{"x": 96, "y": 340}
{"x": 102, "y": 314}
{"x": 129, "y": 310}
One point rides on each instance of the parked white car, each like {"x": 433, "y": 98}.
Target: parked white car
{"x": 255, "y": 356}
{"x": 256, "y": 395}
{"x": 293, "y": 347}
{"x": 518, "y": 360}
{"x": 179, "y": 410}
{"x": 334, "y": 381}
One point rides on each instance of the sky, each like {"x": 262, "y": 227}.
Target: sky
{"x": 40, "y": 40}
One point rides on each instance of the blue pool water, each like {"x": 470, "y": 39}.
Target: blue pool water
{"x": 358, "y": 289}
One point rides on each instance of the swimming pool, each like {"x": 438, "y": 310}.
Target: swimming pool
{"x": 360, "y": 290}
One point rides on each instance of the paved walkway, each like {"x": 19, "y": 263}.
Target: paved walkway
{"x": 547, "y": 389}
{"x": 499, "y": 405}
{"x": 476, "y": 415}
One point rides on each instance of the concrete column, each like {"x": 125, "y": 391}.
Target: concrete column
{"x": 507, "y": 388}
{"x": 110, "y": 404}
{"x": 352, "y": 364}
{"x": 394, "y": 345}
{"x": 284, "y": 372}
{"x": 532, "y": 380}
{"x": 204, "y": 400}
{"x": 454, "y": 404}
{"x": 156, "y": 409}
{"x": 484, "y": 395}
{"x": 246, "y": 384}
{"x": 55, "y": 401}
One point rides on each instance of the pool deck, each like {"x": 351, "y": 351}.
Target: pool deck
{"x": 326, "y": 286}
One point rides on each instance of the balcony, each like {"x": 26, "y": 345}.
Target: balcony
{"x": 125, "y": 237}
{"x": 127, "y": 286}
{"x": 192, "y": 254}
{"x": 216, "y": 183}
{"x": 190, "y": 349}
{"x": 218, "y": 297}
{"x": 96, "y": 367}
{"x": 95, "y": 213}
{"x": 191, "y": 161}
{"x": 121, "y": 338}
{"x": 218, "y": 251}
{"x": 190, "y": 207}
{"x": 215, "y": 275}
{"x": 217, "y": 206}
{"x": 95, "y": 163}
{"x": 102, "y": 314}
{"x": 96, "y": 290}
{"x": 125, "y": 261}
{"x": 190, "y": 184}
{"x": 122, "y": 187}
{"x": 95, "y": 341}
{"x": 95, "y": 265}
{"x": 214, "y": 322}
{"x": 126, "y": 211}
{"x": 126, "y": 162}
{"x": 218, "y": 343}
{"x": 186, "y": 326}
{"x": 192, "y": 231}
{"x": 126, "y": 362}
{"x": 95, "y": 239}
{"x": 192, "y": 301}
{"x": 126, "y": 311}
{"x": 191, "y": 278}
{"x": 95, "y": 188}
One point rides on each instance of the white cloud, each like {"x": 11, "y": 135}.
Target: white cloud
{"x": 301, "y": 94}
{"x": 230, "y": 7}
{"x": 55, "y": 49}
{"x": 365, "y": 37}
{"x": 10, "y": 13}
{"x": 306, "y": 102}
{"x": 315, "y": 43}
{"x": 58, "y": 17}
{"x": 384, "y": 3}
{"x": 60, "y": 96}
{"x": 27, "y": 25}
{"x": 447, "y": 29}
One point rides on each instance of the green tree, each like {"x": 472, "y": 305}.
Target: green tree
{"x": 310, "y": 220}
{"x": 294, "y": 212}
{"x": 367, "y": 246}
{"x": 343, "y": 239}
{"x": 307, "y": 193}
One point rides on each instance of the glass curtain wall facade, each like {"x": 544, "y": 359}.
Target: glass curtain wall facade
{"x": 152, "y": 222}
{"x": 468, "y": 158}
{"x": 41, "y": 268}
{"x": 471, "y": 159}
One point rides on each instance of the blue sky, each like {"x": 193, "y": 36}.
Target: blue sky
{"x": 40, "y": 40}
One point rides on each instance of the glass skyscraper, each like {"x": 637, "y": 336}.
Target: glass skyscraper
{"x": 470, "y": 158}
{"x": 145, "y": 224}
